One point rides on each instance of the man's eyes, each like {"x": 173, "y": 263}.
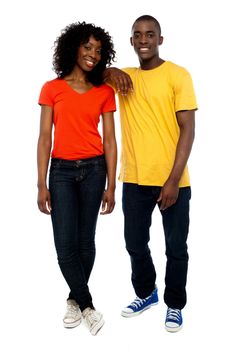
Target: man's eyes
{"x": 148, "y": 35}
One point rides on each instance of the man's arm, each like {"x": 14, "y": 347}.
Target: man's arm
{"x": 119, "y": 79}
{"x": 170, "y": 190}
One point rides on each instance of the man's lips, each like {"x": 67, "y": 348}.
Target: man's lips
{"x": 143, "y": 49}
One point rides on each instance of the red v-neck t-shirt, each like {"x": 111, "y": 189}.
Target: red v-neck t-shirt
{"x": 76, "y": 117}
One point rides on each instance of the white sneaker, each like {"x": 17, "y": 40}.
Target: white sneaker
{"x": 73, "y": 315}
{"x": 93, "y": 320}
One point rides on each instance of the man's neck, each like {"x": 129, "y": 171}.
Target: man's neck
{"x": 151, "y": 64}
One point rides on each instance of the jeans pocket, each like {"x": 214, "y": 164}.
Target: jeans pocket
{"x": 54, "y": 169}
{"x": 54, "y": 166}
{"x": 100, "y": 166}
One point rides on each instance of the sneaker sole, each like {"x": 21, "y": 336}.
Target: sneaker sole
{"x": 136, "y": 313}
{"x": 97, "y": 328}
{"x": 72, "y": 325}
{"x": 173, "y": 330}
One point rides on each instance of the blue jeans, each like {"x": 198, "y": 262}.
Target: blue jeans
{"x": 138, "y": 205}
{"x": 76, "y": 189}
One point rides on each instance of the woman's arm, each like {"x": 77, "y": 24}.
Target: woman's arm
{"x": 43, "y": 156}
{"x": 110, "y": 150}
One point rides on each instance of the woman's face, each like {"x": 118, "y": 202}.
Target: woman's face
{"x": 89, "y": 54}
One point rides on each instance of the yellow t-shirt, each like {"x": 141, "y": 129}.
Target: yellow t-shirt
{"x": 149, "y": 126}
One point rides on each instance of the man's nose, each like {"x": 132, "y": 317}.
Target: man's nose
{"x": 143, "y": 39}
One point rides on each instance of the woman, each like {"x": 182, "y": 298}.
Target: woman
{"x": 72, "y": 104}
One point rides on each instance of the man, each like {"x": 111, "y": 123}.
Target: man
{"x": 157, "y": 121}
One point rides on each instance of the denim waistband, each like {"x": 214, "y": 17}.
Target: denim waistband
{"x": 55, "y": 161}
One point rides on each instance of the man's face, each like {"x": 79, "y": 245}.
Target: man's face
{"x": 146, "y": 40}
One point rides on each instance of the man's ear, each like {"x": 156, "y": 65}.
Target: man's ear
{"x": 131, "y": 40}
{"x": 160, "y": 40}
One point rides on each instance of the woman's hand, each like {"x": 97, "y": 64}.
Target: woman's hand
{"x": 108, "y": 202}
{"x": 44, "y": 200}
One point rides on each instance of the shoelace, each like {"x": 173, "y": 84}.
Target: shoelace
{"x": 71, "y": 310}
{"x": 173, "y": 314}
{"x": 91, "y": 317}
{"x": 138, "y": 302}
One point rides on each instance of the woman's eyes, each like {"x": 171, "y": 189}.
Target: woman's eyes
{"x": 89, "y": 48}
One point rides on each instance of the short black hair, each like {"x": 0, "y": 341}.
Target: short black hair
{"x": 66, "y": 48}
{"x": 148, "y": 18}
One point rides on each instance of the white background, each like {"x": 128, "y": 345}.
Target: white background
{"x": 198, "y": 36}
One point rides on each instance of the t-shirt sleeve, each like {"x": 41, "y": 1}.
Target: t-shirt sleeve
{"x": 185, "y": 98}
{"x": 46, "y": 97}
{"x": 110, "y": 102}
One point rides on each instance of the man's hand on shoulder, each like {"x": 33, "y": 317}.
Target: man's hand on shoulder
{"x": 121, "y": 80}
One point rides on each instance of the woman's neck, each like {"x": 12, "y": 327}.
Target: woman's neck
{"x": 77, "y": 76}
{"x": 77, "y": 79}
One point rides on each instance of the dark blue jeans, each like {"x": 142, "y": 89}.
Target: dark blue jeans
{"x": 76, "y": 189}
{"x": 138, "y": 205}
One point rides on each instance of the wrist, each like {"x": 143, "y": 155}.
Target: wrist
{"x": 111, "y": 188}
{"x": 173, "y": 180}
{"x": 41, "y": 186}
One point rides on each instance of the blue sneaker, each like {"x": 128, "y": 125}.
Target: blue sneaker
{"x": 174, "y": 320}
{"x": 140, "y": 305}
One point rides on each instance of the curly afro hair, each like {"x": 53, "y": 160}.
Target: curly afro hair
{"x": 67, "y": 44}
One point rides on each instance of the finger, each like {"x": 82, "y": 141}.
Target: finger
{"x": 112, "y": 206}
{"x": 163, "y": 203}
{"x": 121, "y": 85}
{"x": 49, "y": 205}
{"x": 125, "y": 89}
{"x": 117, "y": 80}
{"x": 124, "y": 84}
{"x": 106, "y": 209}
{"x": 128, "y": 85}
{"x": 171, "y": 202}
{"x": 118, "y": 85}
{"x": 43, "y": 208}
{"x": 168, "y": 203}
{"x": 103, "y": 206}
{"x": 131, "y": 85}
{"x": 46, "y": 211}
{"x": 109, "y": 207}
